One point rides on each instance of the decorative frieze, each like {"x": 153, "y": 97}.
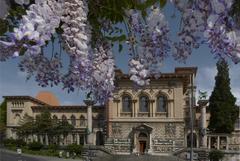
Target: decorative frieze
{"x": 170, "y": 130}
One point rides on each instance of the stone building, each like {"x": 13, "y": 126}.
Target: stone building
{"x": 18, "y": 106}
{"x": 206, "y": 139}
{"x": 151, "y": 120}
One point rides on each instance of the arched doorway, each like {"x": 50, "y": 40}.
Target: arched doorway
{"x": 99, "y": 138}
{"x": 142, "y": 139}
{"x": 194, "y": 140}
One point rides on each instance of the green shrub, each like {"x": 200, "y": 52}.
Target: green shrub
{"x": 14, "y": 143}
{"x": 9, "y": 142}
{"x": 74, "y": 148}
{"x": 216, "y": 155}
{"x": 35, "y": 146}
{"x": 53, "y": 147}
{"x": 20, "y": 143}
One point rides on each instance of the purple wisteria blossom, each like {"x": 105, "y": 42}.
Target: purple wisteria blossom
{"x": 152, "y": 47}
{"x": 76, "y": 39}
{"x": 35, "y": 28}
{"x": 92, "y": 67}
{"x": 103, "y": 75}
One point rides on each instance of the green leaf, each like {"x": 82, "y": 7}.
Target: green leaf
{"x": 163, "y": 3}
{"x": 117, "y": 38}
{"x": 32, "y": 43}
{"x": 3, "y": 27}
{"x": 22, "y": 51}
{"x": 145, "y": 5}
{"x": 120, "y": 47}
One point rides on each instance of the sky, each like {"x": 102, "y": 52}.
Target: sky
{"x": 13, "y": 82}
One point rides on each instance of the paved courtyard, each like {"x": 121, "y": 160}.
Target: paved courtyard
{"x": 6, "y": 155}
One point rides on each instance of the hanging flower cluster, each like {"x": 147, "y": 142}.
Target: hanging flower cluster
{"x": 76, "y": 36}
{"x": 153, "y": 46}
{"x": 91, "y": 66}
{"x": 138, "y": 72}
{"x": 47, "y": 71}
{"x": 212, "y": 19}
{"x": 221, "y": 33}
{"x": 189, "y": 36}
{"x": 35, "y": 28}
{"x": 103, "y": 75}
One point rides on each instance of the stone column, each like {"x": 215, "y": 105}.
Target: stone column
{"x": 71, "y": 138}
{"x": 218, "y": 142}
{"x": 152, "y": 112}
{"x": 89, "y": 104}
{"x": 41, "y": 139}
{"x": 78, "y": 139}
{"x": 46, "y": 139}
{"x": 117, "y": 101}
{"x": 150, "y": 144}
{"x": 135, "y": 143}
{"x": 134, "y": 108}
{"x": 169, "y": 109}
{"x": 227, "y": 145}
{"x": 209, "y": 142}
{"x": 61, "y": 139}
{"x": 203, "y": 121}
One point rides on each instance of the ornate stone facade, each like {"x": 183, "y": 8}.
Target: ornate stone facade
{"x": 150, "y": 119}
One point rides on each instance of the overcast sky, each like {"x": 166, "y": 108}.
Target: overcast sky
{"x": 13, "y": 82}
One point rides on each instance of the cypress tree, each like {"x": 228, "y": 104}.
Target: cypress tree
{"x": 3, "y": 119}
{"x": 222, "y": 106}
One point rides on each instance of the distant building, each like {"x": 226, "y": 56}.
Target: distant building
{"x": 153, "y": 119}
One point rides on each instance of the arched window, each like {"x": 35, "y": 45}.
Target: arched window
{"x": 144, "y": 104}
{"x": 17, "y": 118}
{"x": 162, "y": 104}
{"x": 126, "y": 104}
{"x": 142, "y": 135}
{"x": 82, "y": 120}
{"x": 73, "y": 120}
{"x": 64, "y": 118}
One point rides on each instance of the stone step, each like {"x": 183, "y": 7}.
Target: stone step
{"x": 137, "y": 158}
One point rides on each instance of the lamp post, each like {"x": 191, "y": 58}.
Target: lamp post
{"x": 191, "y": 103}
{"x": 89, "y": 101}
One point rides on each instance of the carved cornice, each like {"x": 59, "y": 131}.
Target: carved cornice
{"x": 116, "y": 100}
{"x": 170, "y": 100}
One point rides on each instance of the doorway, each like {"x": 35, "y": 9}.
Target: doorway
{"x": 99, "y": 138}
{"x": 142, "y": 147}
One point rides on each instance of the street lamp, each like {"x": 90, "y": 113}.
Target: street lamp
{"x": 191, "y": 104}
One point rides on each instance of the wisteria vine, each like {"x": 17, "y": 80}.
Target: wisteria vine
{"x": 91, "y": 65}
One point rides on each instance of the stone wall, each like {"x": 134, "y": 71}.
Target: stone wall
{"x": 165, "y": 137}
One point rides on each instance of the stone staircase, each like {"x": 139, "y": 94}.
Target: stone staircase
{"x": 99, "y": 153}
{"x": 94, "y": 153}
{"x": 203, "y": 155}
{"x": 138, "y": 158}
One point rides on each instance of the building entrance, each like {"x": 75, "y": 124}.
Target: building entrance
{"x": 142, "y": 147}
